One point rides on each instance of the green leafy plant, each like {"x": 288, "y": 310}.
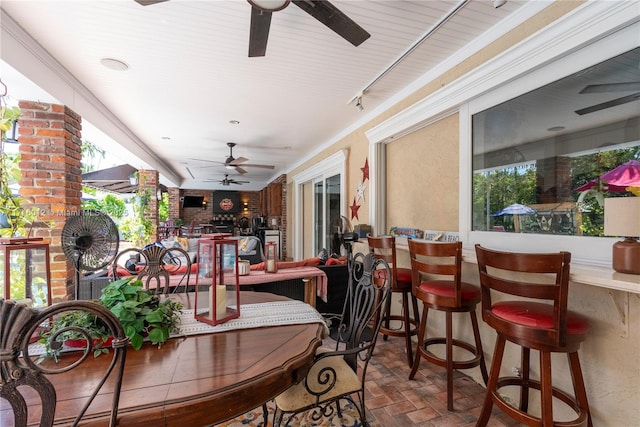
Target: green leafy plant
{"x": 141, "y": 312}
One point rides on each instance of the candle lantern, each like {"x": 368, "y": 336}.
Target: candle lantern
{"x": 270, "y": 258}
{"x": 217, "y": 281}
{"x": 24, "y": 270}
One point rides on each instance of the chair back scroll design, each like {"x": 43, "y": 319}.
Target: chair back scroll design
{"x": 157, "y": 264}
{"x": 340, "y": 373}
{"x": 21, "y": 372}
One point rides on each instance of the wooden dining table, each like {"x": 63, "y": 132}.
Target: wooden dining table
{"x": 196, "y": 380}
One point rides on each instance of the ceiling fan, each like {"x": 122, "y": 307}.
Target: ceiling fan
{"x": 228, "y": 181}
{"x": 239, "y": 163}
{"x": 322, "y": 10}
{"x": 610, "y": 87}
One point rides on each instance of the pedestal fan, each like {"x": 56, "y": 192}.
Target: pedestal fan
{"x": 342, "y": 236}
{"x": 90, "y": 241}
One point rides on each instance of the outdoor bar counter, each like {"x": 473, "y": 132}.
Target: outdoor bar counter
{"x": 610, "y": 356}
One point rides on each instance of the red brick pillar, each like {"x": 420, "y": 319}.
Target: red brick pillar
{"x": 553, "y": 181}
{"x": 174, "y": 203}
{"x": 51, "y": 155}
{"x": 148, "y": 185}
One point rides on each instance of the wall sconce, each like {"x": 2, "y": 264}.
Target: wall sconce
{"x": 204, "y": 204}
{"x": 622, "y": 218}
{"x": 133, "y": 178}
{"x": 245, "y": 206}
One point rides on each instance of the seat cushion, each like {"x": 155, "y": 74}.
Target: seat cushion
{"x": 445, "y": 288}
{"x": 537, "y": 315}
{"x": 297, "y": 397}
{"x": 403, "y": 277}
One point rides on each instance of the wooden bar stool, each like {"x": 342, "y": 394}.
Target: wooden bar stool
{"x": 384, "y": 247}
{"x": 436, "y": 274}
{"x": 547, "y": 327}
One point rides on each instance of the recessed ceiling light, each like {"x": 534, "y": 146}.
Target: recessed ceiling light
{"x": 234, "y": 122}
{"x": 114, "y": 64}
{"x": 556, "y": 129}
{"x": 166, "y": 138}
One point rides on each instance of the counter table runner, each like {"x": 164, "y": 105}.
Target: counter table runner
{"x": 253, "y": 316}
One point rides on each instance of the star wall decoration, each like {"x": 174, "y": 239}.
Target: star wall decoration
{"x": 354, "y": 210}
{"x": 365, "y": 170}
{"x": 360, "y": 191}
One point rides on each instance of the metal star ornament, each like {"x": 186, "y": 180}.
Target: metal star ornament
{"x": 360, "y": 191}
{"x": 365, "y": 170}
{"x": 354, "y": 210}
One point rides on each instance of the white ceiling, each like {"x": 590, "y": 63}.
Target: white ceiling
{"x": 189, "y": 74}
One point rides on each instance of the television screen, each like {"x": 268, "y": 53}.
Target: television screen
{"x": 192, "y": 201}
{"x": 226, "y": 202}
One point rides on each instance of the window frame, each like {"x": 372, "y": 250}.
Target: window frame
{"x": 585, "y": 249}
{"x": 336, "y": 164}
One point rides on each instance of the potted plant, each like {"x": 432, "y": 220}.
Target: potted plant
{"x": 141, "y": 313}
{"x": 72, "y": 328}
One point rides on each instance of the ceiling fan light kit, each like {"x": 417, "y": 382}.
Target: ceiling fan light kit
{"x": 269, "y": 5}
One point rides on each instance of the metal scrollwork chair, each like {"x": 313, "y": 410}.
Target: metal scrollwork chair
{"x": 157, "y": 265}
{"x": 339, "y": 374}
{"x": 25, "y": 378}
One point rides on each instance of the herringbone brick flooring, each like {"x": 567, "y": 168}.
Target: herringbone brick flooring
{"x": 392, "y": 400}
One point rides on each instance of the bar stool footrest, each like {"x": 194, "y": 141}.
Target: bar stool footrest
{"x": 457, "y": 364}
{"x": 569, "y": 400}
{"x": 398, "y": 332}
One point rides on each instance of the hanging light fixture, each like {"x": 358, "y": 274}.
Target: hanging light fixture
{"x": 269, "y": 5}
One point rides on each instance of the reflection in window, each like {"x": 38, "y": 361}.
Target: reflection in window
{"x": 534, "y": 153}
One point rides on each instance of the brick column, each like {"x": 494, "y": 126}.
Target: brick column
{"x": 148, "y": 184}
{"x": 553, "y": 181}
{"x": 174, "y": 203}
{"x": 51, "y": 155}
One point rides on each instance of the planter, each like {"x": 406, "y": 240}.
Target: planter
{"x": 82, "y": 343}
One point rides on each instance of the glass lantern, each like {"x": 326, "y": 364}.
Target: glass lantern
{"x": 25, "y": 272}
{"x": 217, "y": 283}
{"x": 270, "y": 257}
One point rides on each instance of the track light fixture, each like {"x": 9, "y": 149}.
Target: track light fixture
{"x": 359, "y": 104}
{"x": 498, "y": 3}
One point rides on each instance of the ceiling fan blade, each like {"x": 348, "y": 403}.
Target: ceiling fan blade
{"x": 258, "y": 166}
{"x": 259, "y": 32}
{"x": 611, "y": 87}
{"x": 149, "y": 2}
{"x": 336, "y": 20}
{"x": 609, "y": 104}
{"x": 236, "y": 162}
{"x": 240, "y": 170}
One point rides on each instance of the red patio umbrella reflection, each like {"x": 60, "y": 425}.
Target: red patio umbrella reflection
{"x": 618, "y": 179}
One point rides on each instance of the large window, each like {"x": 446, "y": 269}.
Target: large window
{"x": 537, "y": 158}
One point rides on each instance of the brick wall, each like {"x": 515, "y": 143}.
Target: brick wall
{"x": 50, "y": 149}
